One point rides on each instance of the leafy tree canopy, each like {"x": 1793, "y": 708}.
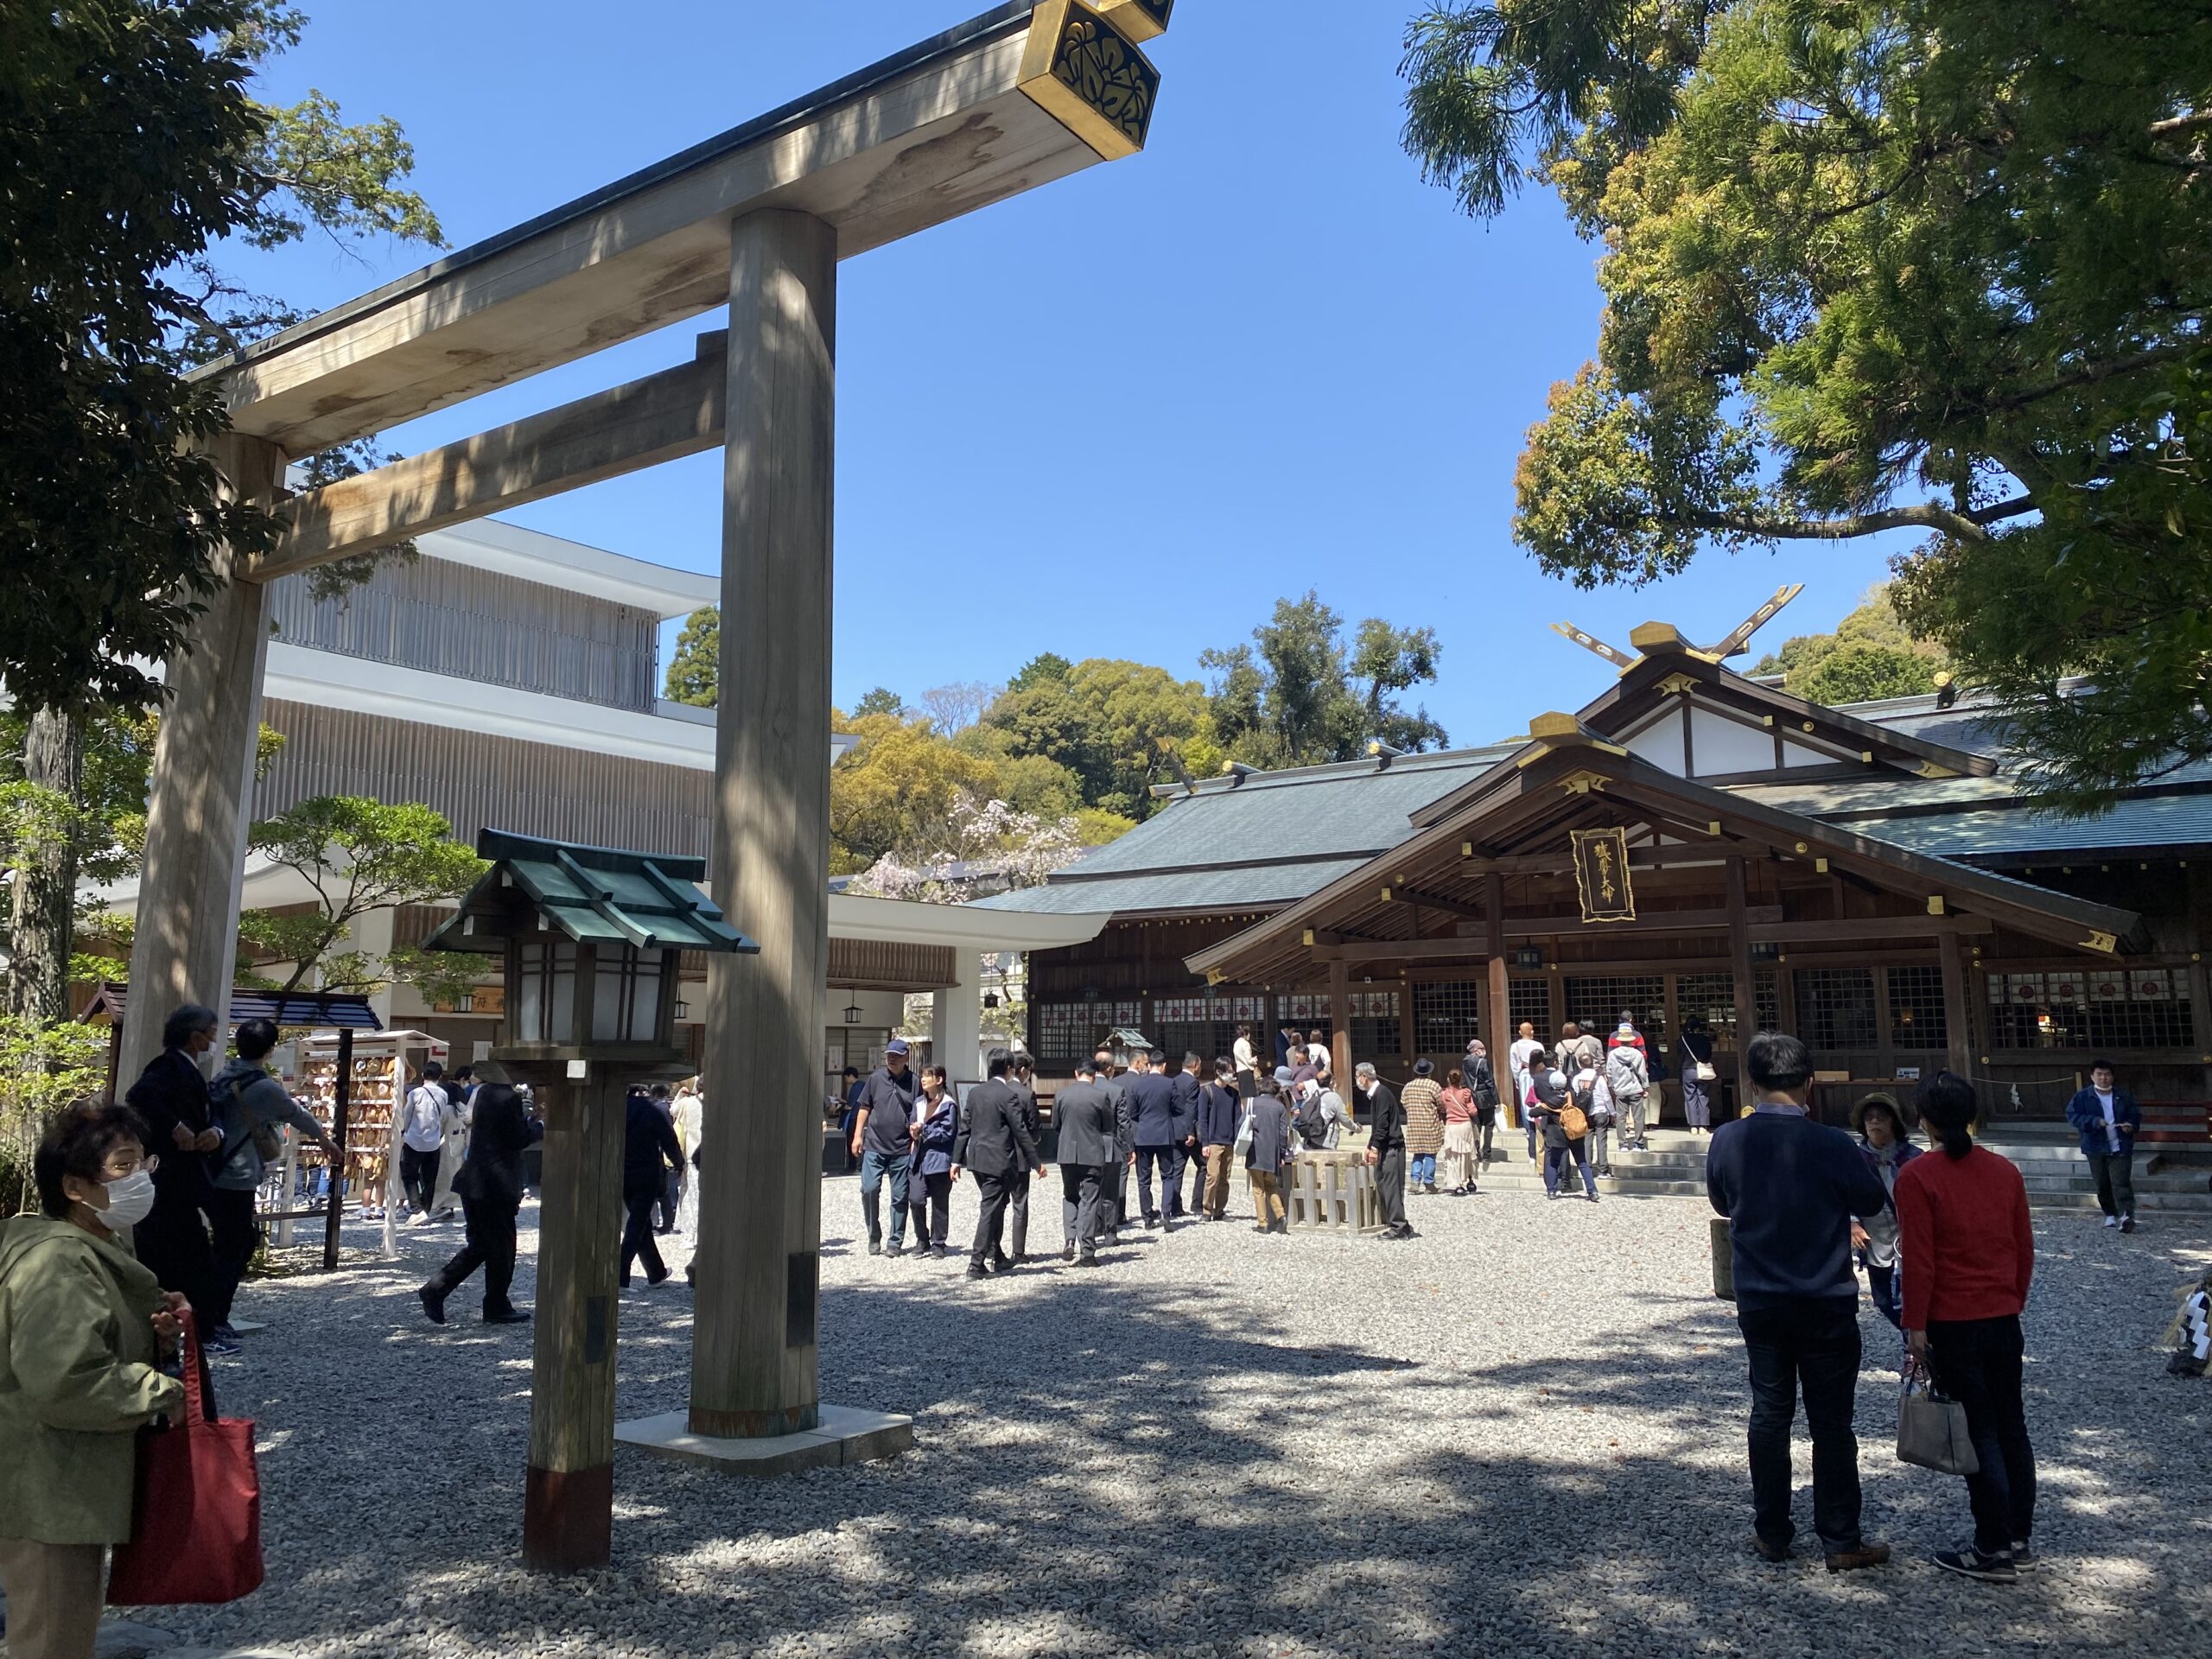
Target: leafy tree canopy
{"x": 1298, "y": 696}
{"x": 1048, "y": 665}
{"x": 1109, "y": 722}
{"x": 1869, "y": 655}
{"x": 1937, "y": 265}
{"x": 134, "y": 147}
{"x": 694, "y": 672}
{"x": 881, "y": 701}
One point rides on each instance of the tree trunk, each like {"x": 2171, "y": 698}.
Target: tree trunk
{"x": 45, "y": 884}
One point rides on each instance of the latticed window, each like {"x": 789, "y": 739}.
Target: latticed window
{"x": 1446, "y": 1016}
{"x": 1203, "y": 1024}
{"x": 2104, "y": 1008}
{"x": 1766, "y": 998}
{"x": 1918, "y": 1019}
{"x": 1713, "y": 996}
{"x": 1835, "y": 1007}
{"x": 1068, "y": 1031}
{"x": 1373, "y": 1024}
{"x": 1531, "y": 1000}
{"x": 1595, "y": 1004}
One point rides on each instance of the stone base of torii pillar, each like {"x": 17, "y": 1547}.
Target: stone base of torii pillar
{"x": 841, "y": 1435}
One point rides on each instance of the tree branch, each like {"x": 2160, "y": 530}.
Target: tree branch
{"x": 2091, "y": 374}
{"x": 2195, "y": 121}
{"x": 1923, "y": 515}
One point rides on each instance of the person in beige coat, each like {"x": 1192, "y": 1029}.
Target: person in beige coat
{"x": 82, "y": 1326}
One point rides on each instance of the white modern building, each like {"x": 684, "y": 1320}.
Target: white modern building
{"x": 510, "y": 680}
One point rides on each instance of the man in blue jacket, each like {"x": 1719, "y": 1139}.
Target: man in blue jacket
{"x": 1152, "y": 1105}
{"x": 1790, "y": 1188}
{"x": 2109, "y": 1120}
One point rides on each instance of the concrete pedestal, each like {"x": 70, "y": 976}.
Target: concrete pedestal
{"x": 843, "y": 1436}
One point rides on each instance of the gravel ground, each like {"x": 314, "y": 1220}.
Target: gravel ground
{"x": 1520, "y": 1432}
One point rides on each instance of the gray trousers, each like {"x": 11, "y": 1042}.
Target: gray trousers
{"x": 1601, "y": 1134}
{"x": 1083, "y": 1206}
{"x": 1632, "y": 1108}
{"x": 1390, "y": 1186}
{"x": 2116, "y": 1175}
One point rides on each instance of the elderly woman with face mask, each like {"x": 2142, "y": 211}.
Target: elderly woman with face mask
{"x": 82, "y": 1328}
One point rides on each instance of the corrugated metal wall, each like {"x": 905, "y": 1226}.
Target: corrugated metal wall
{"x": 450, "y": 619}
{"x": 534, "y": 789}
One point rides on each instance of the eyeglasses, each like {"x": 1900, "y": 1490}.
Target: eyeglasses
{"x": 121, "y": 1166}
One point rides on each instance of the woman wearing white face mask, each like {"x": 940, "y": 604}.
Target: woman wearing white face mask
{"x": 82, "y": 1326}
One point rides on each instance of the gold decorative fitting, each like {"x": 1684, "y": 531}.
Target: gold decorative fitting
{"x": 1935, "y": 904}
{"x": 1930, "y": 769}
{"x": 1802, "y": 846}
{"x": 1820, "y": 866}
{"x": 1090, "y": 77}
{"x": 1657, "y": 636}
{"x": 1808, "y": 725}
{"x": 1713, "y": 827}
{"x": 1582, "y": 783}
{"x": 1676, "y": 685}
{"x": 2101, "y": 940}
{"x": 1466, "y": 849}
{"x": 1866, "y": 757}
{"x": 1309, "y": 935}
{"x": 1386, "y": 895}
{"x": 1140, "y": 20}
{"x": 1214, "y": 976}
{"x": 1555, "y": 724}
{"x": 1767, "y": 720}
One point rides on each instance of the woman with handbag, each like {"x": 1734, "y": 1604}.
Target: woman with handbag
{"x": 1968, "y": 1255}
{"x": 1697, "y": 1074}
{"x": 82, "y": 1326}
{"x": 1457, "y": 1103}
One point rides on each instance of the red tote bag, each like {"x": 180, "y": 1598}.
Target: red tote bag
{"x": 195, "y": 1535}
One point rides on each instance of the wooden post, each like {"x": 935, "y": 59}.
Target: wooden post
{"x": 1958, "y": 1003}
{"x": 1739, "y": 972}
{"x": 342, "y": 1106}
{"x": 1885, "y": 1057}
{"x": 185, "y": 947}
{"x": 1340, "y": 1059}
{"x": 755, "y": 1367}
{"x": 569, "y": 1492}
{"x": 1501, "y": 998}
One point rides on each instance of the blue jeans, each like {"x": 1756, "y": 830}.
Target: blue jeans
{"x": 874, "y": 1165}
{"x": 1424, "y": 1169}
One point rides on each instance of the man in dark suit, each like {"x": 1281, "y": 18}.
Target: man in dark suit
{"x": 1186, "y": 1086}
{"x": 649, "y": 1150}
{"x": 1152, "y": 1105}
{"x": 1017, "y": 1225}
{"x": 1083, "y": 1115}
{"x": 1125, "y": 1142}
{"x": 1386, "y": 1148}
{"x": 172, "y": 1097}
{"x": 489, "y": 1185}
{"x": 995, "y": 1144}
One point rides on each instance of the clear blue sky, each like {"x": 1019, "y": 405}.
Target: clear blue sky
{"x": 1124, "y": 412}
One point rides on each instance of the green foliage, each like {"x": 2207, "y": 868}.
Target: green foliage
{"x": 1864, "y": 673}
{"x": 133, "y": 147}
{"x": 881, "y": 701}
{"x": 360, "y": 857}
{"x": 897, "y": 788}
{"x": 1048, "y": 665}
{"x": 694, "y": 673}
{"x": 44, "y": 1066}
{"x": 1109, "y": 722}
{"x": 1298, "y": 696}
{"x": 1937, "y": 265}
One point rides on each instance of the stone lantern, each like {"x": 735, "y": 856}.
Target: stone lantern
{"x": 592, "y": 940}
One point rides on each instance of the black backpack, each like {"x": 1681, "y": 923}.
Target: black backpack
{"x": 1311, "y": 1122}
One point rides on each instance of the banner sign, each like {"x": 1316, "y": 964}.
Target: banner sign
{"x": 1601, "y": 875}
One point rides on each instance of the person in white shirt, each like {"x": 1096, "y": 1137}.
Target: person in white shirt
{"x": 1517, "y": 1059}
{"x": 1247, "y": 1063}
{"x": 2108, "y": 1119}
{"x": 422, "y": 1136}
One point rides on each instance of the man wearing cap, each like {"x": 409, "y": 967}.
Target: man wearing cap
{"x": 882, "y": 1143}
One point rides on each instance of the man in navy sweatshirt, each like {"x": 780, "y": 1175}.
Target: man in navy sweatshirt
{"x": 1790, "y": 1188}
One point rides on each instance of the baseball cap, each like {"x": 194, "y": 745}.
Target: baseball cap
{"x": 896, "y": 1046}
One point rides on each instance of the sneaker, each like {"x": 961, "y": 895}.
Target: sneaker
{"x": 2023, "y": 1556}
{"x": 224, "y": 1332}
{"x": 2112, "y": 1221}
{"x": 2127, "y": 1223}
{"x": 218, "y": 1345}
{"x": 1592, "y": 1197}
{"x": 1853, "y": 1560}
{"x": 1971, "y": 1563}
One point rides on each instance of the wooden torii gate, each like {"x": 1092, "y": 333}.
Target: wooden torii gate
{"x": 754, "y": 220}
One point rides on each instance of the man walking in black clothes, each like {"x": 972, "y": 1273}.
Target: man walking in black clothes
{"x": 172, "y": 1097}
{"x": 1789, "y": 1188}
{"x": 1187, "y": 1087}
{"x": 1386, "y": 1148}
{"x": 490, "y": 1188}
{"x": 1125, "y": 1140}
{"x": 1017, "y": 1226}
{"x": 1083, "y": 1115}
{"x": 1152, "y": 1106}
{"x": 649, "y": 1152}
{"x": 994, "y": 1146}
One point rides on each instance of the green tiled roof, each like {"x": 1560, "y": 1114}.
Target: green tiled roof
{"x": 597, "y": 895}
{"x": 1266, "y": 886}
{"x": 2154, "y": 821}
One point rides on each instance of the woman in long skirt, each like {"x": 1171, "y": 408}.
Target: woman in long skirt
{"x": 1458, "y": 1102}
{"x": 1697, "y": 1090}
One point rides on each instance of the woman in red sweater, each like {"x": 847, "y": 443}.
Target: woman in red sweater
{"x": 1967, "y": 1253}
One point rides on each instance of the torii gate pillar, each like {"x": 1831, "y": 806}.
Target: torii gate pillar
{"x": 755, "y": 1369}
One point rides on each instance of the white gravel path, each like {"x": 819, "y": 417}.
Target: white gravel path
{"x": 1522, "y": 1433}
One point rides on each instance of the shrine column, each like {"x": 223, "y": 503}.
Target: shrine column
{"x": 1500, "y": 999}
{"x": 185, "y": 947}
{"x": 755, "y": 1369}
